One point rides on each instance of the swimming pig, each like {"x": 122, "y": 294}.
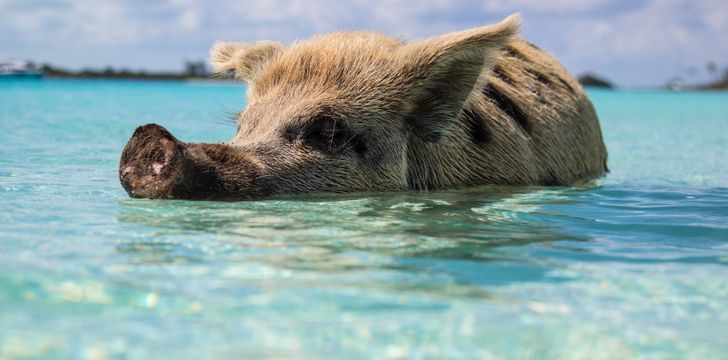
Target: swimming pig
{"x": 355, "y": 111}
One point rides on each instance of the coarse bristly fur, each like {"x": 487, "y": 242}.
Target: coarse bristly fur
{"x": 357, "y": 111}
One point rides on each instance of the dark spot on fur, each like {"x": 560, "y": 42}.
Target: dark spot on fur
{"x": 479, "y": 133}
{"x": 565, "y": 84}
{"x": 510, "y": 51}
{"x": 498, "y": 73}
{"x": 543, "y": 79}
{"x": 508, "y": 107}
{"x": 539, "y": 90}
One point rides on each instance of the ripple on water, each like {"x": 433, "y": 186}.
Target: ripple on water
{"x": 633, "y": 265}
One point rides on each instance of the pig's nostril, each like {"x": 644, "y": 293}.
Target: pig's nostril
{"x": 157, "y": 167}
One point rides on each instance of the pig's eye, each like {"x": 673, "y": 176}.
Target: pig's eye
{"x": 328, "y": 134}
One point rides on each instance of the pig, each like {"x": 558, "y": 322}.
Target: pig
{"x": 361, "y": 112}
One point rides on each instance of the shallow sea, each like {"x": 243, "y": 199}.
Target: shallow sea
{"x": 632, "y": 266}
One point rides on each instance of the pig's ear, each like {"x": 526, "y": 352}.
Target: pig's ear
{"x": 442, "y": 71}
{"x": 246, "y": 61}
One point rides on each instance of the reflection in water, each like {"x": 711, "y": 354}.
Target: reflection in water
{"x": 442, "y": 274}
{"x": 390, "y": 233}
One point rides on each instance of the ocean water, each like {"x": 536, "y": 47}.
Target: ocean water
{"x": 634, "y": 265}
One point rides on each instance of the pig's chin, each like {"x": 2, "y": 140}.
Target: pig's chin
{"x": 155, "y": 165}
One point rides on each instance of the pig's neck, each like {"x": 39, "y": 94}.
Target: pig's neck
{"x": 476, "y": 151}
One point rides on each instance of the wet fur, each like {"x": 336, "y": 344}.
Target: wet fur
{"x": 475, "y": 107}
{"x": 542, "y": 129}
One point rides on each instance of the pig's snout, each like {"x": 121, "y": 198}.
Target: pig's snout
{"x": 155, "y": 165}
{"x": 151, "y": 163}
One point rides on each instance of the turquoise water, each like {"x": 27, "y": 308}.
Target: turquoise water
{"x": 635, "y": 265}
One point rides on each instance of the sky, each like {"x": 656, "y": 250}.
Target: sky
{"x": 631, "y": 42}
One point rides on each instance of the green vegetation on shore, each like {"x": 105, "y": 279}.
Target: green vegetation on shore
{"x": 593, "y": 80}
{"x": 197, "y": 70}
{"x": 721, "y": 84}
{"x": 192, "y": 70}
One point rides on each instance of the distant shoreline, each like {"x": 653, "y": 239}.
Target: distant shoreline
{"x": 194, "y": 71}
{"x": 150, "y": 78}
{"x": 718, "y": 85}
{"x": 176, "y": 77}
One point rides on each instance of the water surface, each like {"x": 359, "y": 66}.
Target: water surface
{"x": 633, "y": 265}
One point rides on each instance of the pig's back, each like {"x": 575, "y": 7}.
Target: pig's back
{"x": 532, "y": 105}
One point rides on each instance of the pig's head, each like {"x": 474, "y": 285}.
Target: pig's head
{"x": 335, "y": 113}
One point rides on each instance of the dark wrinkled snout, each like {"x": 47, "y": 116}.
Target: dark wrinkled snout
{"x": 151, "y": 164}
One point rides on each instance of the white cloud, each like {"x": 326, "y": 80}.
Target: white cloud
{"x": 545, "y": 6}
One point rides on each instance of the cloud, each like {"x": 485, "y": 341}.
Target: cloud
{"x": 570, "y": 6}
{"x": 636, "y": 42}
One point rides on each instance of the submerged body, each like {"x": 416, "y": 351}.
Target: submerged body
{"x": 350, "y": 112}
